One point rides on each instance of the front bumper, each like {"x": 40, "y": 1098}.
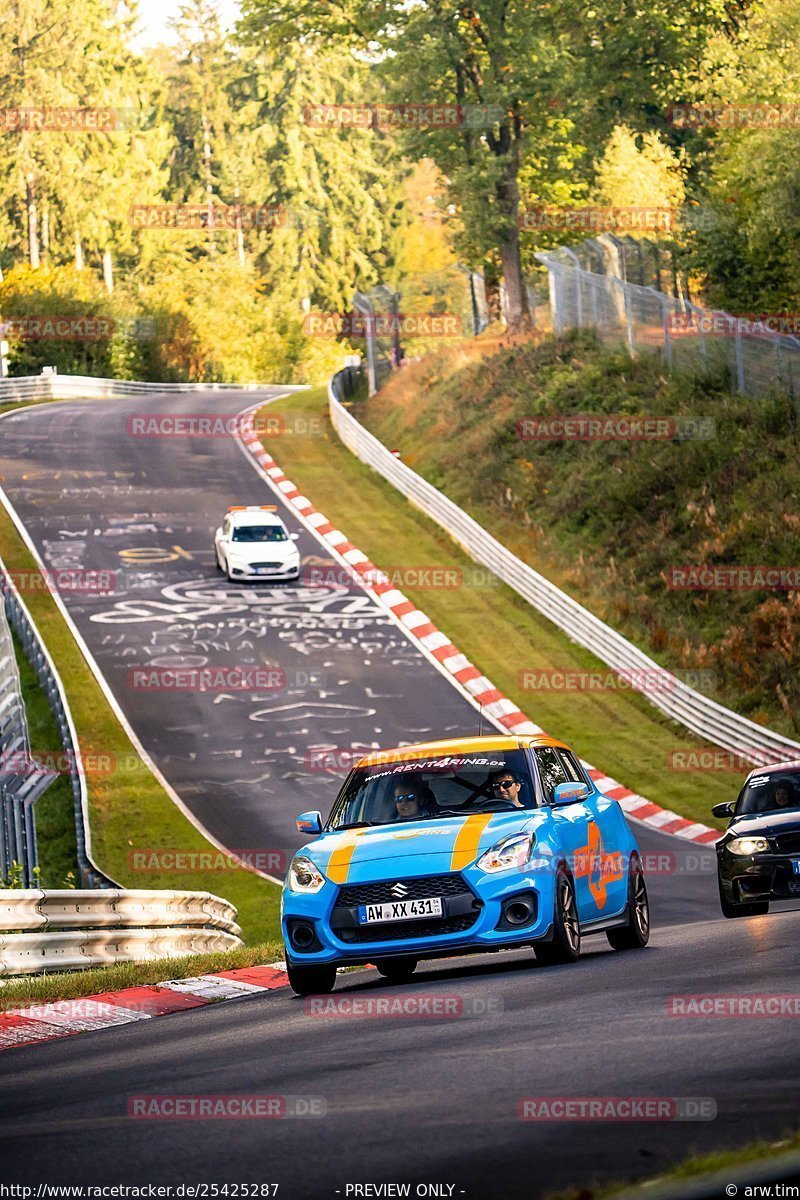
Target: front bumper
{"x": 745, "y": 878}
{"x": 475, "y": 918}
{"x": 264, "y": 574}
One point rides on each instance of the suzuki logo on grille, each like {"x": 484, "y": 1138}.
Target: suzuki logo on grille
{"x": 399, "y": 890}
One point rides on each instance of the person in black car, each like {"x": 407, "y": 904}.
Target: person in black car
{"x": 783, "y": 795}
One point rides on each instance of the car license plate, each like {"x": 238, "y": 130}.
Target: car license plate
{"x": 796, "y": 865}
{"x": 265, "y": 570}
{"x": 399, "y": 910}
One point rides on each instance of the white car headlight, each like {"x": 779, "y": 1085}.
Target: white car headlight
{"x": 748, "y": 845}
{"x": 304, "y": 876}
{"x": 513, "y": 851}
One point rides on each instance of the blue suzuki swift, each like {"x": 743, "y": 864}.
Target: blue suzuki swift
{"x": 461, "y": 846}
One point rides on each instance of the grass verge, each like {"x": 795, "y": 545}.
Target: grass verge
{"x": 69, "y": 985}
{"x": 617, "y": 731}
{"x": 128, "y": 807}
{"x": 614, "y": 520}
{"x": 716, "y": 1168}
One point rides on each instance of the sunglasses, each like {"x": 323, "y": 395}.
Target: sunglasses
{"x": 404, "y": 799}
{"x": 505, "y": 783}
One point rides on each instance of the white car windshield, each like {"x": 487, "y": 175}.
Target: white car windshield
{"x": 433, "y": 787}
{"x": 259, "y": 533}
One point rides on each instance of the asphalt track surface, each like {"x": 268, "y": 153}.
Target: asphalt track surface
{"x": 425, "y": 1099}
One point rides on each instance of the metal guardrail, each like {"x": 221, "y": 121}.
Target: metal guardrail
{"x": 696, "y": 712}
{"x": 68, "y": 930}
{"x": 22, "y": 779}
{"x": 68, "y": 387}
{"x": 21, "y": 621}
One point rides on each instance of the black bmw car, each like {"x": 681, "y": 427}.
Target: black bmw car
{"x": 758, "y": 856}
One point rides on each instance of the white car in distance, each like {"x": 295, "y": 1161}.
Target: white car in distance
{"x": 253, "y": 543}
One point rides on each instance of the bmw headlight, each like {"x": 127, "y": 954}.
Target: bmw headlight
{"x": 513, "y": 851}
{"x": 304, "y": 876}
{"x": 748, "y": 845}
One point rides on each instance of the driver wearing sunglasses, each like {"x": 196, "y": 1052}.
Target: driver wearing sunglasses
{"x": 504, "y": 785}
{"x": 412, "y": 801}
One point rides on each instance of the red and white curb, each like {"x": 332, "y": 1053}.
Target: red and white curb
{"x": 437, "y": 646}
{"x": 61, "y": 1018}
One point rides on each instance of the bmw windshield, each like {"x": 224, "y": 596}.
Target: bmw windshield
{"x": 775, "y": 791}
{"x": 432, "y": 788}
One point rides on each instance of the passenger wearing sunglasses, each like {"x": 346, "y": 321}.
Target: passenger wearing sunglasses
{"x": 413, "y": 800}
{"x": 504, "y": 785}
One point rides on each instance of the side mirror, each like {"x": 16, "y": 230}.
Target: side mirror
{"x": 723, "y": 810}
{"x": 295, "y": 537}
{"x": 570, "y": 793}
{"x": 218, "y": 534}
{"x": 309, "y": 822}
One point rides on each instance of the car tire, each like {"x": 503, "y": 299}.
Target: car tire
{"x": 311, "y": 981}
{"x": 757, "y": 908}
{"x": 636, "y": 933}
{"x": 566, "y": 944}
{"x": 217, "y": 563}
{"x": 396, "y": 970}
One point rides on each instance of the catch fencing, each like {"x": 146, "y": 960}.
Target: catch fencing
{"x": 695, "y": 711}
{"x": 756, "y": 360}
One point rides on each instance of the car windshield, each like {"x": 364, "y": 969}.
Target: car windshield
{"x": 433, "y": 787}
{"x": 775, "y": 791}
{"x": 259, "y": 533}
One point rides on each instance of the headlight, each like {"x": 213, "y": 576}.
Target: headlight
{"x": 512, "y": 851}
{"x": 304, "y": 876}
{"x": 748, "y": 845}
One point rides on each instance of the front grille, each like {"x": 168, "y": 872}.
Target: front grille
{"x": 418, "y": 889}
{"x": 412, "y": 929}
{"x": 787, "y": 843}
{"x": 461, "y": 908}
{"x": 266, "y": 564}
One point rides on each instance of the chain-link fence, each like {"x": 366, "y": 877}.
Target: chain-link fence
{"x": 758, "y": 359}
{"x": 397, "y": 325}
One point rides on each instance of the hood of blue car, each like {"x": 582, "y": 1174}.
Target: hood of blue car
{"x": 431, "y": 846}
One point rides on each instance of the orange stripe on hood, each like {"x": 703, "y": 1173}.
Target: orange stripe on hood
{"x": 339, "y": 863}
{"x": 469, "y": 836}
